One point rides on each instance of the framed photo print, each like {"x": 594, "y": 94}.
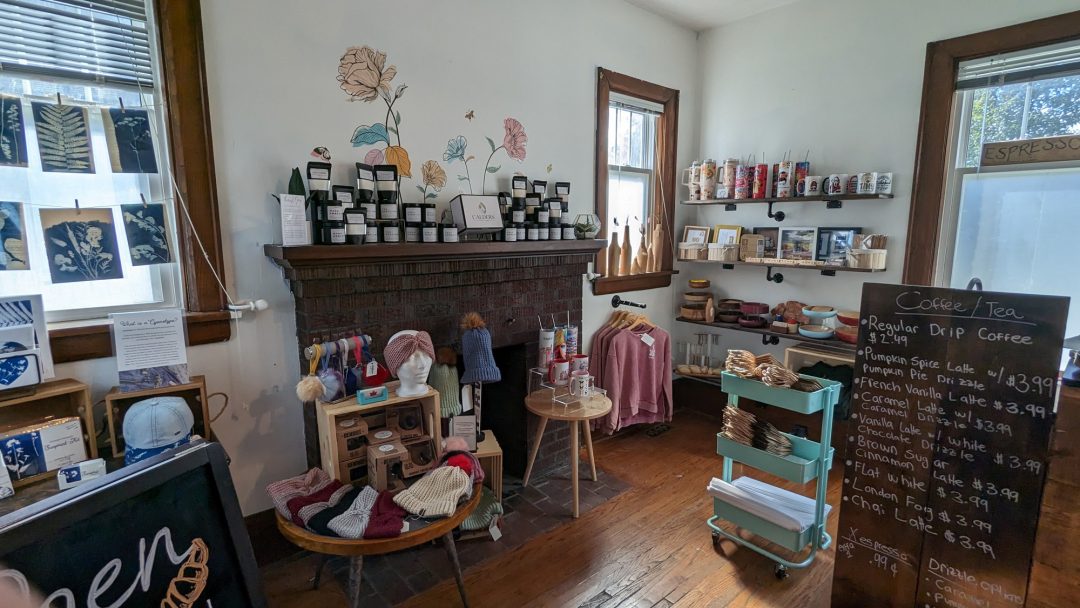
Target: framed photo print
{"x": 696, "y": 234}
{"x": 772, "y": 240}
{"x": 833, "y": 244}
{"x": 798, "y": 243}
{"x": 726, "y": 235}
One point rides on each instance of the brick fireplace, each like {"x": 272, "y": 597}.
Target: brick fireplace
{"x": 381, "y": 289}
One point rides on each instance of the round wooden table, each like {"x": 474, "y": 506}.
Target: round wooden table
{"x": 356, "y": 549}
{"x": 578, "y": 414}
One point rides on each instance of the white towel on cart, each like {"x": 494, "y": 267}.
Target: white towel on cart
{"x": 786, "y": 509}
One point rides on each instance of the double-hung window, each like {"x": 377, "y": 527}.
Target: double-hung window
{"x": 1011, "y": 222}
{"x": 631, "y": 162}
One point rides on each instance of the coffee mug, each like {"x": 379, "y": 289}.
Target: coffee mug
{"x": 837, "y": 183}
{"x": 579, "y": 363}
{"x": 581, "y": 384}
{"x": 559, "y": 372}
{"x": 813, "y": 185}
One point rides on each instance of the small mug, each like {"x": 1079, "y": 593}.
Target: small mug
{"x": 813, "y": 185}
{"x": 836, "y": 184}
{"x": 559, "y": 372}
{"x": 581, "y": 384}
{"x": 579, "y": 363}
{"x": 867, "y": 183}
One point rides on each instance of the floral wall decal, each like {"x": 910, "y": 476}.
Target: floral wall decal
{"x": 364, "y": 76}
{"x": 433, "y": 176}
{"x": 455, "y": 150}
{"x": 81, "y": 245}
{"x": 514, "y": 140}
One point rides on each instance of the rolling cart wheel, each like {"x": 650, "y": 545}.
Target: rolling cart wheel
{"x": 781, "y": 572}
{"x": 715, "y": 540}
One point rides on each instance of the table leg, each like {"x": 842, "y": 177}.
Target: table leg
{"x": 356, "y": 564}
{"x": 323, "y": 558}
{"x": 574, "y": 447}
{"x": 535, "y": 449}
{"x": 451, "y": 551}
{"x": 588, "y": 446}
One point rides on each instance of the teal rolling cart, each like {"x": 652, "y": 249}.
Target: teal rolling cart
{"x": 808, "y": 461}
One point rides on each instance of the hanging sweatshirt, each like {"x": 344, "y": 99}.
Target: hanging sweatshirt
{"x": 638, "y": 378}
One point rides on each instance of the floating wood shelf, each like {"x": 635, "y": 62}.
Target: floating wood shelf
{"x": 321, "y": 255}
{"x": 825, "y": 270}
{"x": 831, "y": 200}
{"x": 767, "y": 335}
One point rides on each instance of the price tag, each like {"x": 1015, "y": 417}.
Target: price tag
{"x": 372, "y": 368}
{"x": 648, "y": 340}
{"x": 494, "y": 530}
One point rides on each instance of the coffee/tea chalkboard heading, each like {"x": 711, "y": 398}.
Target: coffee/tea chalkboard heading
{"x": 947, "y": 450}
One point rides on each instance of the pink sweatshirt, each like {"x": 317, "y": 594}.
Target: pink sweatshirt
{"x": 637, "y": 377}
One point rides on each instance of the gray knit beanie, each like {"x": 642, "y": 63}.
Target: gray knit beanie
{"x": 444, "y": 378}
{"x": 353, "y": 522}
{"x": 436, "y": 494}
{"x": 488, "y": 510}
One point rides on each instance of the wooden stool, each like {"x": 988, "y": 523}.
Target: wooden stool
{"x": 578, "y": 414}
{"x": 356, "y": 549}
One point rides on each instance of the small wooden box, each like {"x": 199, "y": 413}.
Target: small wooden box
{"x": 50, "y": 400}
{"x": 327, "y": 415}
{"x": 117, "y": 404}
{"x": 490, "y": 455}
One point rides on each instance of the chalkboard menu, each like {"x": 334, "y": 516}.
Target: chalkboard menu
{"x": 953, "y": 404}
{"x": 166, "y": 532}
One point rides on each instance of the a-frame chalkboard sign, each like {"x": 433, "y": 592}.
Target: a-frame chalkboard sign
{"x": 165, "y": 532}
{"x": 947, "y": 449}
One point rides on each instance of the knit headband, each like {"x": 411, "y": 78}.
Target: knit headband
{"x": 401, "y": 348}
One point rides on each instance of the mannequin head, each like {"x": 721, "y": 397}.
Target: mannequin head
{"x": 413, "y": 370}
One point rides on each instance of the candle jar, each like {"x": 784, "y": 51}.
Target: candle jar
{"x": 391, "y": 232}
{"x": 412, "y": 231}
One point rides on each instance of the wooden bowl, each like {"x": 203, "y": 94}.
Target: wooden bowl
{"x": 698, "y": 297}
{"x": 754, "y": 308}
{"x": 728, "y": 316}
{"x": 848, "y": 317}
{"x": 752, "y": 321}
{"x": 693, "y": 312}
{"x": 848, "y": 334}
{"x": 699, "y": 283}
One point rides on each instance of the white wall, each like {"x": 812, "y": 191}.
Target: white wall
{"x": 842, "y": 78}
{"x": 272, "y": 68}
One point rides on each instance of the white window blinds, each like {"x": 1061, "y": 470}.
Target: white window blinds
{"x": 98, "y": 41}
{"x": 1021, "y": 66}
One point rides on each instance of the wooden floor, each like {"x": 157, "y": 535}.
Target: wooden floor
{"x": 647, "y": 547}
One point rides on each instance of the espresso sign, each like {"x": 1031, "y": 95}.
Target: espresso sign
{"x": 953, "y": 405}
{"x": 1044, "y": 150}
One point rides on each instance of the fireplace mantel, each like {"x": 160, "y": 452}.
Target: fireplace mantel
{"x": 348, "y": 255}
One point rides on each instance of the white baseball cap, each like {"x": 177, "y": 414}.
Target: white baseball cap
{"x": 155, "y": 425}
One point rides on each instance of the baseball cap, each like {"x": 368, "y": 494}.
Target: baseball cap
{"x": 155, "y": 425}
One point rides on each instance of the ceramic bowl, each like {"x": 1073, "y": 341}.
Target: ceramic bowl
{"x": 816, "y": 331}
{"x": 729, "y": 303}
{"x": 848, "y": 317}
{"x": 752, "y": 321}
{"x": 819, "y": 312}
{"x": 754, "y": 308}
{"x": 848, "y": 334}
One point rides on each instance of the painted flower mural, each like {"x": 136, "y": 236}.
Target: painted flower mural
{"x": 514, "y": 140}
{"x": 364, "y": 76}
{"x": 455, "y": 150}
{"x": 433, "y": 176}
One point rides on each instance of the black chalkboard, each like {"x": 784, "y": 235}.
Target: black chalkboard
{"x": 165, "y": 532}
{"x": 946, "y": 455}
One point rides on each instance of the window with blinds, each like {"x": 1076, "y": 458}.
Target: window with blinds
{"x": 97, "y": 41}
{"x": 631, "y": 161}
{"x": 84, "y": 68}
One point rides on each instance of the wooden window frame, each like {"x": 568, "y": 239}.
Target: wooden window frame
{"x": 667, "y": 132}
{"x": 183, "y": 65}
{"x": 935, "y": 116}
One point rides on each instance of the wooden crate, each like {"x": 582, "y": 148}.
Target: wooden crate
{"x": 52, "y": 399}
{"x": 490, "y": 455}
{"x": 117, "y": 403}
{"x": 327, "y": 415}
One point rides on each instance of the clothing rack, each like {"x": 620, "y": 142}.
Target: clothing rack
{"x": 617, "y": 301}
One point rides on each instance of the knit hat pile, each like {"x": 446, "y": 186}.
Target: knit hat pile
{"x": 476, "y": 348}
{"x": 353, "y": 521}
{"x": 436, "y": 494}
{"x": 444, "y": 379}
{"x": 302, "y": 508}
{"x": 386, "y": 517}
{"x": 399, "y": 349}
{"x": 320, "y": 522}
{"x": 487, "y": 511}
{"x": 281, "y": 492}
{"x": 466, "y": 461}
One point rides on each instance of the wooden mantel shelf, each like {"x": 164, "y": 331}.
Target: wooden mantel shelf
{"x": 340, "y": 255}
